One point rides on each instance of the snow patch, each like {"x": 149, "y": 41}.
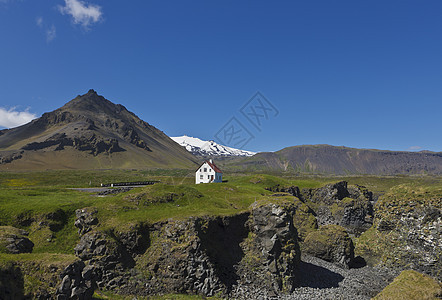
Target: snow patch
{"x": 199, "y": 147}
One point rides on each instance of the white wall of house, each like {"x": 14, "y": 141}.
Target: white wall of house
{"x": 206, "y": 174}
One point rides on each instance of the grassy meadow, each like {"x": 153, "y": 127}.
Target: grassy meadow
{"x": 30, "y": 200}
{"x": 27, "y": 197}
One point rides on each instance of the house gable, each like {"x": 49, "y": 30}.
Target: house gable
{"x": 208, "y": 172}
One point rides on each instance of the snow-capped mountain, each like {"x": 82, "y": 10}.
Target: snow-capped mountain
{"x": 208, "y": 148}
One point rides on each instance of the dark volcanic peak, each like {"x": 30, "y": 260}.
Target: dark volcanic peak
{"x": 92, "y": 103}
{"x": 91, "y": 125}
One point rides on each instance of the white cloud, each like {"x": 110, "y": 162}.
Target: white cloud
{"x": 39, "y": 22}
{"x": 414, "y": 148}
{"x": 51, "y": 33}
{"x": 81, "y": 12}
{"x": 12, "y": 118}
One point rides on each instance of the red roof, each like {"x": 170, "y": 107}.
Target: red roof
{"x": 217, "y": 170}
{"x": 212, "y": 165}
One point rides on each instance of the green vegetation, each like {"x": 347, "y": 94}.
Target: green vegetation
{"x": 329, "y": 243}
{"x": 411, "y": 285}
{"x": 32, "y": 272}
{"x": 386, "y": 242}
{"x": 108, "y": 295}
{"x": 44, "y": 204}
{"x": 29, "y": 200}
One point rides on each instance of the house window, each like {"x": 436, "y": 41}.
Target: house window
{"x": 208, "y": 176}
{"x": 201, "y": 177}
{"x": 205, "y": 169}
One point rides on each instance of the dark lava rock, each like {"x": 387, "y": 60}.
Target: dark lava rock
{"x": 331, "y": 243}
{"x": 215, "y": 255}
{"x": 292, "y": 190}
{"x": 339, "y": 204}
{"x": 7, "y": 157}
{"x": 330, "y": 193}
{"x": 407, "y": 230}
{"x": 86, "y": 219}
{"x": 178, "y": 261}
{"x": 14, "y": 240}
{"x": 92, "y": 244}
{"x": 91, "y": 142}
{"x": 19, "y": 245}
{"x": 273, "y": 251}
{"x": 77, "y": 282}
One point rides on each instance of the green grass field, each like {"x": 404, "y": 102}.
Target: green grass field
{"x": 29, "y": 199}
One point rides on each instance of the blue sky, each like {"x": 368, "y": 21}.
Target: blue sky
{"x": 364, "y": 74}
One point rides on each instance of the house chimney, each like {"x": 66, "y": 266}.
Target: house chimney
{"x": 211, "y": 161}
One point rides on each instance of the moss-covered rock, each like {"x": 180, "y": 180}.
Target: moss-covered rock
{"x": 14, "y": 240}
{"x": 331, "y": 243}
{"x": 214, "y": 255}
{"x": 411, "y": 285}
{"x": 406, "y": 232}
{"x": 32, "y": 276}
{"x": 304, "y": 219}
{"x": 340, "y": 204}
{"x": 274, "y": 244}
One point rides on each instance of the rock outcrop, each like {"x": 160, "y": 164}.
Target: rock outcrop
{"x": 272, "y": 250}
{"x": 89, "y": 142}
{"x": 406, "y": 230}
{"x": 331, "y": 243}
{"x": 85, "y": 219}
{"x": 340, "y": 204}
{"x": 10, "y": 156}
{"x": 14, "y": 240}
{"x": 257, "y": 251}
{"x": 77, "y": 282}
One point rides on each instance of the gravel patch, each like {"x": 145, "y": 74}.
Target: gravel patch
{"x": 321, "y": 280}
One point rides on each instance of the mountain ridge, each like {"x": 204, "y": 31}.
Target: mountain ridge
{"x": 341, "y": 160}
{"x": 90, "y": 132}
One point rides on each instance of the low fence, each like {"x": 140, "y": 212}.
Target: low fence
{"x": 115, "y": 184}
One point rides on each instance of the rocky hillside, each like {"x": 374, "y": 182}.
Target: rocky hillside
{"x": 328, "y": 159}
{"x": 89, "y": 132}
{"x": 406, "y": 231}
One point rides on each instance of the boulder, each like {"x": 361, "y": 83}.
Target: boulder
{"x": 77, "y": 282}
{"x": 331, "y": 243}
{"x": 273, "y": 245}
{"x": 330, "y": 193}
{"x": 85, "y": 219}
{"x": 14, "y": 240}
{"x": 340, "y": 204}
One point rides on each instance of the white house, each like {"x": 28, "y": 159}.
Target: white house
{"x": 208, "y": 172}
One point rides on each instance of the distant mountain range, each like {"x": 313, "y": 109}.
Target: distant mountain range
{"x": 199, "y": 147}
{"x": 90, "y": 132}
{"x": 341, "y": 160}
